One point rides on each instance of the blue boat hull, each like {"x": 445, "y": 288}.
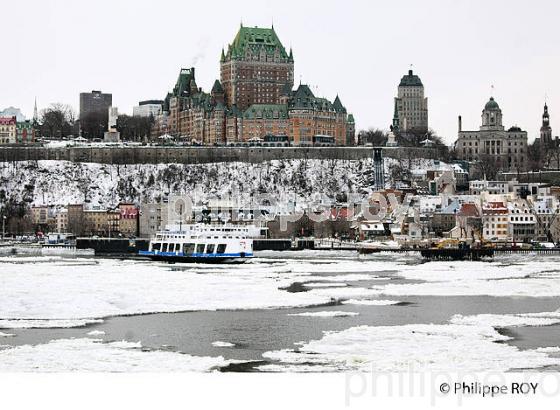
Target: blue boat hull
{"x": 197, "y": 257}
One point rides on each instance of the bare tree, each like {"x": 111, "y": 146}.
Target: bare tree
{"x": 57, "y": 121}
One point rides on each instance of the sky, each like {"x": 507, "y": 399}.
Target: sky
{"x": 55, "y": 49}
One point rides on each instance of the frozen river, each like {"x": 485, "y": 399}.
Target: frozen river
{"x": 288, "y": 311}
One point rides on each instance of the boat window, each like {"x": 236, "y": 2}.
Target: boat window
{"x": 189, "y": 248}
{"x": 200, "y": 248}
{"x": 177, "y": 247}
{"x": 210, "y": 248}
{"x": 156, "y": 246}
{"x": 221, "y": 248}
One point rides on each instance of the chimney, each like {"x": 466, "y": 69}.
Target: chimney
{"x": 460, "y": 124}
{"x": 409, "y": 72}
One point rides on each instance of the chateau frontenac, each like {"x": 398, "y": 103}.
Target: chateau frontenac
{"x": 254, "y": 100}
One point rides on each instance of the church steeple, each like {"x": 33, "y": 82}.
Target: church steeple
{"x": 546, "y": 130}
{"x": 545, "y": 116}
{"x": 35, "y": 113}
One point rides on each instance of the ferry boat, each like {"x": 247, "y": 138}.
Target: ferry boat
{"x": 203, "y": 244}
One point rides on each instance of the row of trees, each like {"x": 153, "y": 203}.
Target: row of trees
{"x": 60, "y": 121}
{"x": 378, "y": 137}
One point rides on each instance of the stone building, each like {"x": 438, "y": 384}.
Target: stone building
{"x": 254, "y": 100}
{"x": 411, "y": 107}
{"x": 495, "y": 217}
{"x": 8, "y": 126}
{"x": 102, "y": 222}
{"x": 507, "y": 149}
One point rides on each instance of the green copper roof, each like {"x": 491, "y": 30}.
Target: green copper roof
{"x": 183, "y": 86}
{"x": 217, "y": 88}
{"x": 25, "y": 124}
{"x": 491, "y": 105}
{"x": 337, "y": 105}
{"x": 410, "y": 80}
{"x": 255, "y": 39}
{"x": 304, "y": 99}
{"x": 350, "y": 119}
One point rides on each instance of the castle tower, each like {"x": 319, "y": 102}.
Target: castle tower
{"x": 256, "y": 68}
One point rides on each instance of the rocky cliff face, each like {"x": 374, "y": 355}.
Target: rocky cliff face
{"x": 59, "y": 183}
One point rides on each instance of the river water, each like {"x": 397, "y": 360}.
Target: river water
{"x": 372, "y": 308}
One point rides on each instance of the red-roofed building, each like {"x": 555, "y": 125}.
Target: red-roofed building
{"x": 8, "y": 130}
{"x": 468, "y": 222}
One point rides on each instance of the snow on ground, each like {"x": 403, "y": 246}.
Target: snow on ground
{"x": 464, "y": 345}
{"x": 94, "y": 356}
{"x": 326, "y": 313}
{"x": 63, "y": 182}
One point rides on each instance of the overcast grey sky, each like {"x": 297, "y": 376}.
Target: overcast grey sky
{"x": 55, "y": 49}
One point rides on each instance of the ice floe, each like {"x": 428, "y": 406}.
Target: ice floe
{"x": 55, "y": 293}
{"x": 512, "y": 320}
{"x": 45, "y": 323}
{"x": 465, "y": 344}
{"x": 371, "y": 302}
{"x": 96, "y": 333}
{"x": 219, "y": 343}
{"x": 92, "y": 355}
{"x": 52, "y": 292}
{"x": 324, "y": 285}
{"x": 527, "y": 276}
{"x": 326, "y": 313}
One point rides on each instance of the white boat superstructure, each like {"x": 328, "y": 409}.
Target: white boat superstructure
{"x": 202, "y": 243}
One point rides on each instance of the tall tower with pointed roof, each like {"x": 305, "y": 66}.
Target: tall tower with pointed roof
{"x": 35, "y": 113}
{"x": 256, "y": 68}
{"x": 546, "y": 130}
